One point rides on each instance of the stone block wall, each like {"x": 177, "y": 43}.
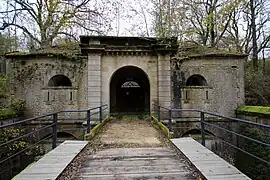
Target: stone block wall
{"x": 30, "y": 77}
{"x": 224, "y": 89}
{"x": 164, "y": 81}
{"x": 94, "y": 80}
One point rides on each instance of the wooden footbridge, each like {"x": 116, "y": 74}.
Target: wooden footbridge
{"x": 126, "y": 148}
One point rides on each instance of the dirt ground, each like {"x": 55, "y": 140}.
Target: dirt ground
{"x": 128, "y": 132}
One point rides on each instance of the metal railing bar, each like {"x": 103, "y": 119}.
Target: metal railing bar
{"x": 237, "y": 119}
{"x": 260, "y": 159}
{"x": 25, "y": 120}
{"x": 94, "y": 113}
{"x": 222, "y": 116}
{"x": 161, "y": 107}
{"x": 28, "y": 147}
{"x": 237, "y": 134}
{"x": 83, "y": 110}
{"x": 33, "y": 132}
{"x": 188, "y": 110}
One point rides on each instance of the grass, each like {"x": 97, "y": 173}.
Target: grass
{"x": 253, "y": 110}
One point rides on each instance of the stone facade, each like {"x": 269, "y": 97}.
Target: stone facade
{"x": 30, "y": 76}
{"x": 224, "y": 78}
{"x": 91, "y": 76}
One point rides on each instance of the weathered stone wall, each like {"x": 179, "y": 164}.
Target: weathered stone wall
{"x": 30, "y": 79}
{"x": 224, "y": 89}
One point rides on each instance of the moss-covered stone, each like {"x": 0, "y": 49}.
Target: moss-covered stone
{"x": 96, "y": 130}
{"x": 162, "y": 127}
{"x": 262, "y": 111}
{"x": 7, "y": 113}
{"x": 71, "y": 52}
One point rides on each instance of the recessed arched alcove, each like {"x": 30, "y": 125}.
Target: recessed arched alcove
{"x": 129, "y": 90}
{"x": 196, "y": 80}
{"x": 59, "y": 80}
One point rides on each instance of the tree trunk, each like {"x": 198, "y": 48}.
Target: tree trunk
{"x": 254, "y": 36}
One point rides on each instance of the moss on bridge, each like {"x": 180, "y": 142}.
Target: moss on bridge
{"x": 162, "y": 127}
{"x": 96, "y": 129}
{"x": 263, "y": 111}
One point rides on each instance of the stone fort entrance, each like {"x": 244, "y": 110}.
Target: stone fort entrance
{"x": 129, "y": 90}
{"x": 129, "y": 74}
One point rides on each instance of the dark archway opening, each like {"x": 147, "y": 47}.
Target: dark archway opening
{"x": 196, "y": 80}
{"x": 129, "y": 91}
{"x": 59, "y": 80}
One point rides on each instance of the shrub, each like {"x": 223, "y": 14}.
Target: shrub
{"x": 18, "y": 105}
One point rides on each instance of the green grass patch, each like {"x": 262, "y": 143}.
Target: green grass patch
{"x": 263, "y": 111}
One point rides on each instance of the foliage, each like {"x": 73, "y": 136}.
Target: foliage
{"x": 44, "y": 20}
{"x": 253, "y": 110}
{"x": 252, "y": 167}
{"x": 7, "y": 150}
{"x": 7, "y": 43}
{"x": 7, "y": 113}
{"x": 18, "y": 105}
{"x": 257, "y": 85}
{"x": 3, "y": 87}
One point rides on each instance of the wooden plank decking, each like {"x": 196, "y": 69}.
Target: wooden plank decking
{"x": 211, "y": 166}
{"x": 52, "y": 164}
{"x": 134, "y": 163}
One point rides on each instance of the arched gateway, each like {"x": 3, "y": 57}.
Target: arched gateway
{"x": 129, "y": 74}
{"x": 129, "y": 90}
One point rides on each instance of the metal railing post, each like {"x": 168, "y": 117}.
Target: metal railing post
{"x": 88, "y": 121}
{"x": 202, "y": 128}
{"x": 100, "y": 114}
{"x": 170, "y": 120}
{"x": 54, "y": 138}
{"x": 158, "y": 113}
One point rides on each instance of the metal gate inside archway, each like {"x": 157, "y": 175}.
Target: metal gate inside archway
{"x": 129, "y": 91}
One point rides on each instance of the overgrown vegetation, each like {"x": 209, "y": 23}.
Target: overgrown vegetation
{"x": 20, "y": 158}
{"x": 249, "y": 165}
{"x": 257, "y": 84}
{"x": 254, "y": 110}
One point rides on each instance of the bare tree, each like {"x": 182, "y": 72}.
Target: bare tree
{"x": 44, "y": 20}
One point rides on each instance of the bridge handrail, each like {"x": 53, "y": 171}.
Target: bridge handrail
{"x": 53, "y": 125}
{"x": 204, "y": 122}
{"x": 222, "y": 116}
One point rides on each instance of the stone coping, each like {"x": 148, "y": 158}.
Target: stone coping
{"x": 210, "y": 165}
{"x": 52, "y": 164}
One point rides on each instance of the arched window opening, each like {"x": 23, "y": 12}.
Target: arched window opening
{"x": 59, "y": 80}
{"x": 130, "y": 84}
{"x": 196, "y": 80}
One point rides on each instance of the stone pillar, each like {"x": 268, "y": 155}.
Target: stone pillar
{"x": 94, "y": 80}
{"x": 164, "y": 80}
